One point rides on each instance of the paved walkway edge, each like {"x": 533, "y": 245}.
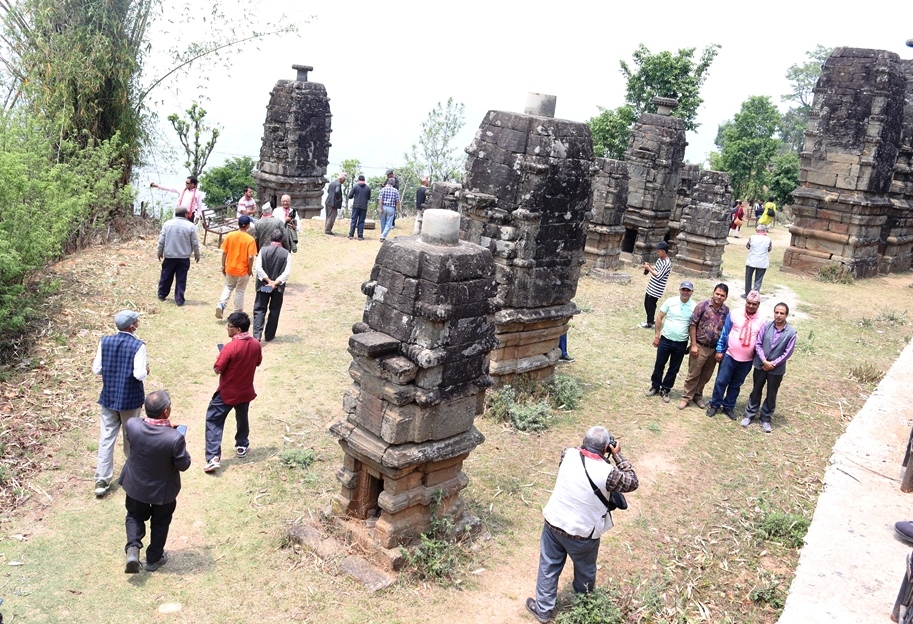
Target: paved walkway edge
{"x": 852, "y": 564}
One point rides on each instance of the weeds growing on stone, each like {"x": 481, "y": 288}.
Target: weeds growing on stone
{"x": 440, "y": 552}
{"x": 835, "y": 274}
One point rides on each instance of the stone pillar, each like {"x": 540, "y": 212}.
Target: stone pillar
{"x": 654, "y": 158}
{"x": 704, "y": 226}
{"x": 896, "y": 250}
{"x": 418, "y": 366}
{"x": 296, "y": 144}
{"x": 527, "y": 192}
{"x": 847, "y": 163}
{"x": 604, "y": 228}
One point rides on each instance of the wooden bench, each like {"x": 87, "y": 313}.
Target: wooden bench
{"x": 220, "y": 221}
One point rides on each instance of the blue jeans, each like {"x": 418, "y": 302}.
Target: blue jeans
{"x": 215, "y": 425}
{"x": 386, "y": 220}
{"x": 670, "y": 351}
{"x": 729, "y": 380}
{"x": 554, "y": 550}
{"x": 358, "y": 221}
{"x": 562, "y": 344}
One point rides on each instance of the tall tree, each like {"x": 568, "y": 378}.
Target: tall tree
{"x": 748, "y": 146}
{"x": 784, "y": 177}
{"x": 192, "y": 134}
{"x": 434, "y": 155}
{"x": 802, "y": 80}
{"x": 662, "y": 74}
{"x": 352, "y": 168}
{"x": 225, "y": 184}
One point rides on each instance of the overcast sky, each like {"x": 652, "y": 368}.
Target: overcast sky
{"x": 386, "y": 64}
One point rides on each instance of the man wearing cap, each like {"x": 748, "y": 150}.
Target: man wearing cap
{"x": 671, "y": 340}
{"x": 333, "y": 203}
{"x": 659, "y": 275}
{"x": 705, "y": 329}
{"x": 759, "y": 246}
{"x": 247, "y": 205}
{"x": 735, "y": 352}
{"x": 177, "y": 242}
{"x": 388, "y": 204}
{"x": 263, "y": 229}
{"x": 420, "y": 195}
{"x": 238, "y": 252}
{"x": 360, "y": 196}
{"x": 121, "y": 362}
{"x": 775, "y": 344}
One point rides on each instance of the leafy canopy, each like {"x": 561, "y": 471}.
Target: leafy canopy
{"x": 747, "y": 146}
{"x": 225, "y": 184}
{"x": 435, "y": 155}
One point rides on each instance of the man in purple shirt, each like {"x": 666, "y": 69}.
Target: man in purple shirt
{"x": 706, "y": 326}
{"x": 775, "y": 344}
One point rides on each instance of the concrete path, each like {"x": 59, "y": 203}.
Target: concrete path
{"x": 852, "y": 564}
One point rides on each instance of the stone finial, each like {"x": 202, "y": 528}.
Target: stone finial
{"x": 302, "y": 72}
{"x": 664, "y": 105}
{"x": 540, "y": 105}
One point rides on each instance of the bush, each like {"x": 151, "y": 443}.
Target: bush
{"x": 784, "y": 528}
{"x": 526, "y": 404}
{"x": 770, "y": 594}
{"x": 439, "y": 553}
{"x": 564, "y": 392}
{"x": 297, "y": 458}
{"x": 835, "y": 274}
{"x": 530, "y": 416}
{"x": 596, "y": 607}
{"x": 866, "y": 373}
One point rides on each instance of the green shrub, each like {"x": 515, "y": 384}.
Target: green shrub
{"x": 297, "y": 458}
{"x": 439, "y": 554}
{"x": 500, "y": 401}
{"x": 835, "y": 274}
{"x": 596, "y": 607}
{"x": 530, "y": 416}
{"x": 527, "y": 403}
{"x": 784, "y": 528}
{"x": 564, "y": 392}
{"x": 771, "y": 595}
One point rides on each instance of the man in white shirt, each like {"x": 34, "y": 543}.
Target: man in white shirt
{"x": 247, "y": 205}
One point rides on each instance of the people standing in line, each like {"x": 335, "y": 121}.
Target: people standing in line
{"x": 577, "y": 515}
{"x": 121, "y": 361}
{"x": 420, "y": 197}
{"x": 759, "y": 246}
{"x": 775, "y": 344}
{"x": 360, "y": 196}
{"x": 737, "y": 217}
{"x": 705, "y": 328}
{"x": 769, "y": 215}
{"x": 387, "y": 205}
{"x": 151, "y": 479}
{"x": 236, "y": 365}
{"x": 333, "y": 203}
{"x": 735, "y": 352}
{"x": 238, "y": 252}
{"x": 190, "y": 198}
{"x": 272, "y": 267}
{"x": 656, "y": 286}
{"x": 177, "y": 242}
{"x": 671, "y": 340}
{"x": 247, "y": 205}
{"x": 263, "y": 230}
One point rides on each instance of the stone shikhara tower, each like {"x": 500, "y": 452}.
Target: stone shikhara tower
{"x": 418, "y": 367}
{"x": 296, "y": 144}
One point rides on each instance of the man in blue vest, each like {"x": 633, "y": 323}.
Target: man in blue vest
{"x": 775, "y": 344}
{"x": 121, "y": 362}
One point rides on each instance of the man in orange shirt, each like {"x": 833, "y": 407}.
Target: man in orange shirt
{"x": 238, "y": 252}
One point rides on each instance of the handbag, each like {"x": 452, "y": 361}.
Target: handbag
{"x": 615, "y": 501}
{"x": 737, "y": 223}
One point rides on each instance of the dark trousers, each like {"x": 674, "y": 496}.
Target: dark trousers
{"x": 753, "y": 278}
{"x": 650, "y": 307}
{"x": 358, "y": 221}
{"x": 330, "y": 220}
{"x": 215, "y": 425}
{"x": 729, "y": 380}
{"x": 672, "y": 352}
{"x": 272, "y": 302}
{"x": 137, "y": 515}
{"x": 759, "y": 377}
{"x": 174, "y": 270}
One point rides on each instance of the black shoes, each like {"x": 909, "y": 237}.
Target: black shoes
{"x": 152, "y": 567}
{"x": 652, "y": 392}
{"x": 711, "y": 411}
{"x": 132, "y": 566}
{"x": 531, "y": 607}
{"x": 730, "y": 412}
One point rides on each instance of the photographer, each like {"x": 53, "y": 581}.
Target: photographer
{"x": 576, "y": 516}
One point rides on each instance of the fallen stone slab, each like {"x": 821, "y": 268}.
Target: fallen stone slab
{"x": 368, "y": 575}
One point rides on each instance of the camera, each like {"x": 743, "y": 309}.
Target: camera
{"x": 612, "y": 442}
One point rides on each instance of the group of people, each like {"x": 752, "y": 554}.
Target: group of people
{"x": 764, "y": 214}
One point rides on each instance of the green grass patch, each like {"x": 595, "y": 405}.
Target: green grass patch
{"x": 595, "y": 607}
{"x": 297, "y": 458}
{"x": 784, "y": 528}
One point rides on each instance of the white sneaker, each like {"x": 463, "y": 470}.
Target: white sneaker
{"x": 241, "y": 451}
{"x": 220, "y": 307}
{"x": 212, "y": 465}
{"x": 101, "y": 487}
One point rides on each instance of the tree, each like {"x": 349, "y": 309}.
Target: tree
{"x": 434, "y": 155}
{"x": 662, "y": 74}
{"x": 352, "y": 168}
{"x": 225, "y": 184}
{"x": 191, "y": 132}
{"x": 784, "y": 177}
{"x": 747, "y": 146}
{"x": 803, "y": 79}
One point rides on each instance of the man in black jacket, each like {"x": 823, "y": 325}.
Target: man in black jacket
{"x": 151, "y": 479}
{"x": 272, "y": 267}
{"x": 361, "y": 195}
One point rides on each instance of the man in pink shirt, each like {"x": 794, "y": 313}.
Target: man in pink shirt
{"x": 735, "y": 351}
{"x": 190, "y": 197}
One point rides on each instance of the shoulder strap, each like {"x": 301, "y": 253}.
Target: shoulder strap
{"x": 596, "y": 489}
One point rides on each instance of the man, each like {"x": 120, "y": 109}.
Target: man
{"x": 735, "y": 351}
{"x": 759, "y": 246}
{"x": 190, "y": 198}
{"x": 121, "y": 362}
{"x": 360, "y": 196}
{"x": 237, "y": 362}
{"x": 775, "y": 344}
{"x": 576, "y": 517}
{"x": 391, "y": 177}
{"x": 247, "y": 206}
{"x": 333, "y": 203}
{"x": 284, "y": 212}
{"x": 272, "y": 267}
{"x": 387, "y": 205}
{"x": 420, "y": 195}
{"x": 770, "y": 213}
{"x": 176, "y": 242}
{"x": 659, "y": 275}
{"x": 263, "y": 230}
{"x": 238, "y": 252}
{"x": 705, "y": 328}
{"x": 671, "y": 340}
{"x": 151, "y": 479}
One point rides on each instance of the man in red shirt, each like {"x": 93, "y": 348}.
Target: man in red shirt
{"x": 237, "y": 362}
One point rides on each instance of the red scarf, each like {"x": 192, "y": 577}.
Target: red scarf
{"x": 159, "y": 422}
